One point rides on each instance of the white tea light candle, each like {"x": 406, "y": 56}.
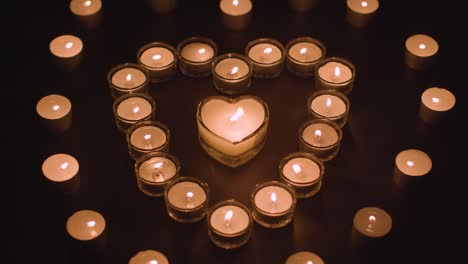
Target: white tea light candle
{"x": 420, "y": 51}
{"x": 67, "y": 51}
{"x": 85, "y": 7}
{"x": 55, "y": 112}
{"x": 149, "y": 257}
{"x": 330, "y": 105}
{"x": 132, "y": 108}
{"x": 60, "y": 167}
{"x": 360, "y": 12}
{"x": 236, "y": 14}
{"x": 304, "y": 257}
{"x": 435, "y": 104}
{"x": 303, "y": 53}
{"x": 267, "y": 57}
{"x": 147, "y": 136}
{"x": 196, "y": 55}
{"x": 232, "y": 73}
{"x": 85, "y": 225}
{"x": 127, "y": 78}
{"x": 335, "y": 74}
{"x": 321, "y": 137}
{"x": 370, "y": 223}
{"x": 410, "y": 165}
{"x": 160, "y": 59}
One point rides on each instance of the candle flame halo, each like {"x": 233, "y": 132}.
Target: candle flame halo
{"x": 422, "y": 46}
{"x": 235, "y": 2}
{"x": 87, "y": 3}
{"x": 189, "y": 195}
{"x": 202, "y": 50}
{"x": 410, "y": 163}
{"x": 128, "y": 77}
{"x": 56, "y": 107}
{"x": 153, "y": 261}
{"x": 158, "y": 165}
{"x": 156, "y": 57}
{"x": 318, "y": 133}
{"x": 337, "y": 71}
{"x": 297, "y": 169}
{"x": 267, "y": 51}
{"x": 68, "y": 45}
{"x": 147, "y": 136}
{"x": 273, "y": 197}
{"x": 238, "y": 114}
{"x": 91, "y": 223}
{"x": 435, "y": 99}
{"x": 64, "y": 165}
{"x": 228, "y": 217}
{"x": 364, "y": 4}
{"x": 234, "y": 70}
{"x": 136, "y": 109}
{"x": 303, "y": 51}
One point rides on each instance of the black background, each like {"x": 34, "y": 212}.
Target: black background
{"x": 427, "y": 221}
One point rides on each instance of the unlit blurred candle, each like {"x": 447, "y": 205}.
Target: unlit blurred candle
{"x": 60, "y": 167}
{"x": 197, "y": 52}
{"x": 149, "y": 257}
{"x": 85, "y": 225}
{"x": 85, "y": 7}
{"x": 372, "y": 222}
{"x": 435, "y": 103}
{"x": 66, "y": 46}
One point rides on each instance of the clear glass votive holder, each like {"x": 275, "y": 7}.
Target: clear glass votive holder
{"x": 232, "y": 73}
{"x": 329, "y": 104}
{"x": 147, "y": 136}
{"x": 160, "y": 59}
{"x": 321, "y": 137}
{"x": 267, "y": 56}
{"x": 187, "y": 199}
{"x": 335, "y": 73}
{"x": 127, "y": 78}
{"x": 132, "y": 108}
{"x": 303, "y": 54}
{"x": 154, "y": 170}
{"x": 303, "y": 171}
{"x": 196, "y": 55}
{"x": 229, "y": 224}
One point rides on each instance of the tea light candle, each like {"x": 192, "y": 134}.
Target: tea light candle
{"x": 149, "y": 257}
{"x": 410, "y": 165}
{"x": 187, "y": 199}
{"x": 127, "y": 78}
{"x": 60, "y": 167}
{"x": 435, "y": 104}
{"x": 132, "y": 108}
{"x": 273, "y": 204}
{"x": 267, "y": 57}
{"x": 85, "y": 7}
{"x": 320, "y": 137}
{"x": 232, "y": 73}
{"x": 303, "y": 171}
{"x": 335, "y": 74}
{"x": 147, "y": 136}
{"x": 160, "y": 59}
{"x": 67, "y": 51}
{"x": 229, "y": 224}
{"x": 236, "y": 13}
{"x": 330, "y": 105}
{"x": 420, "y": 51}
{"x": 196, "y": 55}
{"x": 304, "y": 257}
{"x": 360, "y": 12}
{"x": 154, "y": 170}
{"x": 303, "y": 55}
{"x": 232, "y": 131}
{"x": 370, "y": 223}
{"x": 85, "y": 225}
{"x": 55, "y": 112}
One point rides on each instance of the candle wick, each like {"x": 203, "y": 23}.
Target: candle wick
{"x": 158, "y": 175}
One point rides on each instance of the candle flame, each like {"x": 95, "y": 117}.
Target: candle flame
{"x": 228, "y": 217}
{"x": 309, "y": 262}
{"x": 189, "y": 195}
{"x": 56, "y": 107}
{"x": 435, "y": 99}
{"x": 136, "y": 109}
{"x": 69, "y": 45}
{"x": 158, "y": 165}
{"x": 303, "y": 51}
{"x": 372, "y": 219}
{"x": 318, "y": 133}
{"x": 129, "y": 77}
{"x": 234, "y": 70}
{"x": 329, "y": 102}
{"x": 422, "y": 46}
{"x": 364, "y": 4}
{"x": 296, "y": 168}
{"x": 87, "y": 3}
{"x": 156, "y": 57}
{"x": 64, "y": 165}
{"x": 202, "y": 50}
{"x": 153, "y": 262}
{"x": 238, "y": 114}
{"x": 410, "y": 163}
{"x": 273, "y": 197}
{"x": 91, "y": 223}
{"x": 337, "y": 71}
{"x": 235, "y": 2}
{"x": 267, "y": 51}
{"x": 147, "y": 136}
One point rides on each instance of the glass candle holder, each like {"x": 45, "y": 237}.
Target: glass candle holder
{"x": 154, "y": 170}
{"x": 127, "y": 78}
{"x": 132, "y": 108}
{"x": 370, "y": 224}
{"x": 87, "y": 12}
{"x": 321, "y": 137}
{"x": 55, "y": 113}
{"x": 67, "y": 51}
{"x": 187, "y": 199}
{"x": 410, "y": 167}
{"x": 273, "y": 204}
{"x": 303, "y": 171}
{"x": 232, "y": 131}
{"x": 159, "y": 59}
{"x": 196, "y": 55}
{"x": 329, "y": 104}
{"x": 267, "y": 57}
{"x": 435, "y": 105}
{"x": 420, "y": 51}
{"x": 361, "y": 12}
{"x": 147, "y": 136}
{"x": 236, "y": 14}
{"x": 232, "y": 73}
{"x": 304, "y": 257}
{"x": 149, "y": 257}
{"x": 229, "y": 224}
{"x": 303, "y": 55}
{"x": 335, "y": 74}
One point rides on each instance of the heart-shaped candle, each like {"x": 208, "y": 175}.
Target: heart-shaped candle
{"x": 232, "y": 130}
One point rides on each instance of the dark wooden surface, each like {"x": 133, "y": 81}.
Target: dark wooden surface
{"x": 383, "y": 120}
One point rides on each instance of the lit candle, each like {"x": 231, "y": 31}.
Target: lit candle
{"x": 85, "y": 225}
{"x": 274, "y": 204}
{"x": 267, "y": 57}
{"x": 62, "y": 169}
{"x": 147, "y": 136}
{"x": 360, "y": 12}
{"x": 330, "y": 105}
{"x": 435, "y": 104}
{"x": 335, "y": 74}
{"x": 55, "y": 112}
{"x": 196, "y": 55}
{"x": 420, "y": 51}
{"x": 304, "y": 257}
{"x": 410, "y": 165}
{"x": 303, "y": 55}
{"x": 303, "y": 171}
{"x": 187, "y": 199}
{"x": 232, "y": 73}
{"x": 160, "y": 59}
{"x": 232, "y": 131}
{"x": 370, "y": 223}
{"x": 149, "y": 257}
{"x": 229, "y": 224}
{"x": 320, "y": 137}
{"x": 67, "y": 51}
{"x": 154, "y": 170}
{"x": 132, "y": 108}
{"x": 236, "y": 13}
{"x": 127, "y": 78}
{"x": 85, "y": 7}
